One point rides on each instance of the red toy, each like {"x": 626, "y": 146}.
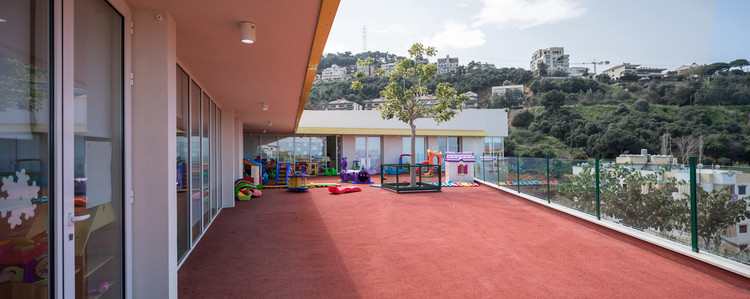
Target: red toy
{"x": 339, "y": 190}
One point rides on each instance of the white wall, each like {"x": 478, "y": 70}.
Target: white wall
{"x": 492, "y": 121}
{"x": 154, "y": 216}
{"x": 392, "y": 149}
{"x": 228, "y": 155}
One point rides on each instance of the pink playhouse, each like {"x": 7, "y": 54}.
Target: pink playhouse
{"x": 459, "y": 167}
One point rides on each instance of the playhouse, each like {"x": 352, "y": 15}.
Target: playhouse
{"x": 459, "y": 166}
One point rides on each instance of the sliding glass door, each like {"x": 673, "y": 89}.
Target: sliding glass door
{"x": 26, "y": 196}
{"x": 98, "y": 150}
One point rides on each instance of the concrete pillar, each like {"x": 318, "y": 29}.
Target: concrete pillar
{"x": 154, "y": 217}
{"x": 228, "y": 156}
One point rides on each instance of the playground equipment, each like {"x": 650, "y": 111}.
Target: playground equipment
{"x": 297, "y": 181}
{"x": 244, "y": 190}
{"x": 255, "y": 170}
{"x": 340, "y": 190}
{"x": 430, "y": 158}
{"x": 459, "y": 166}
{"x": 282, "y": 168}
{"x": 356, "y": 176}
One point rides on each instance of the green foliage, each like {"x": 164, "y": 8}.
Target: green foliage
{"x": 604, "y": 78}
{"x": 523, "y": 119}
{"x": 716, "y": 212}
{"x": 553, "y": 100}
{"x": 19, "y": 87}
{"x": 512, "y": 98}
{"x": 641, "y": 105}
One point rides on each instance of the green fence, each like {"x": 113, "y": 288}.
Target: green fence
{"x": 701, "y": 206}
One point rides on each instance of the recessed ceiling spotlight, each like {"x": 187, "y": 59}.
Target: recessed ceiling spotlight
{"x": 247, "y": 32}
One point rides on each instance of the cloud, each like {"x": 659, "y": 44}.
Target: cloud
{"x": 524, "y": 14}
{"x": 462, "y": 4}
{"x": 456, "y": 36}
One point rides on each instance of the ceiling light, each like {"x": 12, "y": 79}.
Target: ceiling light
{"x": 269, "y": 123}
{"x": 2, "y": 21}
{"x": 264, "y": 106}
{"x": 247, "y": 32}
{"x": 264, "y": 131}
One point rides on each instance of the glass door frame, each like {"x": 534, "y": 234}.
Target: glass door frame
{"x": 62, "y": 267}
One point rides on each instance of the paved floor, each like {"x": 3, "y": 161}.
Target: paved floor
{"x": 463, "y": 242}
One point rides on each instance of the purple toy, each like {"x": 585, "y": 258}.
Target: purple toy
{"x": 343, "y": 164}
{"x": 348, "y": 175}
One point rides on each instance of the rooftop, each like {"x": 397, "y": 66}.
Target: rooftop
{"x": 462, "y": 242}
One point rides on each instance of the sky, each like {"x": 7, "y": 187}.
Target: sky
{"x": 656, "y": 33}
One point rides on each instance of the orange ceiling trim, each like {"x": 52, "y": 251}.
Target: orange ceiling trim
{"x": 327, "y": 13}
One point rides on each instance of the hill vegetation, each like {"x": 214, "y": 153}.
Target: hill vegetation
{"x": 578, "y": 117}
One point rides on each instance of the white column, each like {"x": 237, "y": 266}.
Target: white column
{"x": 228, "y": 154}
{"x": 154, "y": 234}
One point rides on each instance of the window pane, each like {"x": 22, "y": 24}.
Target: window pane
{"x": 183, "y": 207}
{"x": 373, "y": 154}
{"x": 205, "y": 155}
{"x": 360, "y": 152}
{"x": 98, "y": 115}
{"x": 24, "y": 138}
{"x": 301, "y": 150}
{"x": 286, "y": 149}
{"x": 195, "y": 160}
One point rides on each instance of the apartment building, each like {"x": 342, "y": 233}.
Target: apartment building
{"x": 447, "y": 65}
{"x": 554, "y": 58}
{"x": 334, "y": 73}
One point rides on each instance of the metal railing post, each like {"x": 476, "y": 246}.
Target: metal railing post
{"x": 693, "y": 206}
{"x": 596, "y": 163}
{"x": 518, "y": 174}
{"x": 548, "y": 201}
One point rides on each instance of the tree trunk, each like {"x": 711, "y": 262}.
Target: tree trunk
{"x": 413, "y": 170}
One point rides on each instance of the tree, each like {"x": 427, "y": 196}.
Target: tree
{"x": 604, "y": 78}
{"x": 542, "y": 69}
{"x": 688, "y": 146}
{"x": 512, "y": 98}
{"x": 407, "y": 82}
{"x": 716, "y": 212}
{"x": 641, "y": 105}
{"x": 523, "y": 119}
{"x": 740, "y": 63}
{"x": 553, "y": 100}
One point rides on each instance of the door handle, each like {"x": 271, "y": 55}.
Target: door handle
{"x": 72, "y": 218}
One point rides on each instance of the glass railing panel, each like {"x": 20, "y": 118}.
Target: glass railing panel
{"x": 573, "y": 184}
{"x": 533, "y": 177}
{"x": 723, "y": 216}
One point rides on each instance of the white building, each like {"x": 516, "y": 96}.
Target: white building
{"x": 473, "y": 102}
{"x": 618, "y": 71}
{"x": 577, "y": 71}
{"x": 447, "y": 65}
{"x": 374, "y": 103}
{"x": 554, "y": 57}
{"x": 501, "y": 90}
{"x": 334, "y": 73}
{"x": 343, "y": 104}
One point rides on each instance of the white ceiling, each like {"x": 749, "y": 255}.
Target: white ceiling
{"x": 240, "y": 76}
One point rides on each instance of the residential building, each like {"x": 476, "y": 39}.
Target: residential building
{"x": 447, "y": 65}
{"x": 618, "y": 71}
{"x": 578, "y": 71}
{"x": 343, "y": 104}
{"x": 388, "y": 66}
{"x": 334, "y": 73}
{"x": 501, "y": 90}
{"x": 687, "y": 70}
{"x": 554, "y": 58}
{"x": 134, "y": 139}
{"x": 473, "y": 102}
{"x": 374, "y": 103}
{"x": 486, "y": 66}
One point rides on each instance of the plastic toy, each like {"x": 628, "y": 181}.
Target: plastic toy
{"x": 340, "y": 190}
{"x": 363, "y": 177}
{"x": 343, "y": 163}
{"x": 282, "y": 172}
{"x": 459, "y": 166}
{"x": 257, "y": 174}
{"x": 296, "y": 182}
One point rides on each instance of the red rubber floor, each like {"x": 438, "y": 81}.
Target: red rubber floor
{"x": 466, "y": 242}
